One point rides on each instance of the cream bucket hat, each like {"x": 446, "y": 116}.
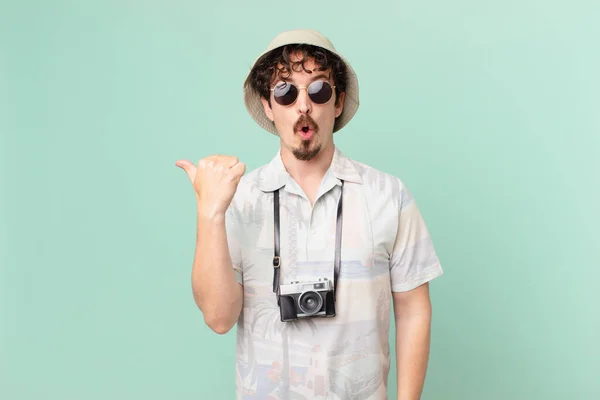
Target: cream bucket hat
{"x": 302, "y": 36}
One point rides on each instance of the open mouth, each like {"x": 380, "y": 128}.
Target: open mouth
{"x": 306, "y": 132}
{"x": 306, "y": 127}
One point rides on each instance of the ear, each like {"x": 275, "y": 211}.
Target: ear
{"x": 339, "y": 104}
{"x": 267, "y": 108}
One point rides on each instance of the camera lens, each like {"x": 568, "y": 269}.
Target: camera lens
{"x": 310, "y": 302}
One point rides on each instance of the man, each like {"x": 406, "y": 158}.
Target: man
{"x": 267, "y": 237}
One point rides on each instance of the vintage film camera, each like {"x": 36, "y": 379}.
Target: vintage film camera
{"x": 306, "y": 299}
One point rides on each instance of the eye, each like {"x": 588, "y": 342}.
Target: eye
{"x": 316, "y": 87}
{"x": 285, "y": 93}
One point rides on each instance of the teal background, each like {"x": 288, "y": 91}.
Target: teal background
{"x": 488, "y": 111}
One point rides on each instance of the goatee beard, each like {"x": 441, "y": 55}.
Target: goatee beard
{"x": 305, "y": 153}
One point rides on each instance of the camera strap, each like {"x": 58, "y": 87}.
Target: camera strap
{"x": 338, "y": 244}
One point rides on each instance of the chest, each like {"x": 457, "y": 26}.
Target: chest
{"x": 308, "y": 238}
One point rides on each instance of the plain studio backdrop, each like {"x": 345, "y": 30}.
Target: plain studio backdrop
{"x": 487, "y": 110}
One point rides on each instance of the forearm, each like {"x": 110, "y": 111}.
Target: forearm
{"x": 412, "y": 353}
{"x": 216, "y": 289}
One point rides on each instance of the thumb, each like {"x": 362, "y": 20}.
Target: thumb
{"x": 188, "y": 167}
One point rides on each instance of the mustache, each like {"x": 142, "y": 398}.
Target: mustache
{"x": 306, "y": 120}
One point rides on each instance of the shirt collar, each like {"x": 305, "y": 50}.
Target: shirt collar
{"x": 275, "y": 176}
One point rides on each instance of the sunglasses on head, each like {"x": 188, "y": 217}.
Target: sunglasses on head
{"x": 286, "y": 93}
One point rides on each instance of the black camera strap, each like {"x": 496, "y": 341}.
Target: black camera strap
{"x": 338, "y": 244}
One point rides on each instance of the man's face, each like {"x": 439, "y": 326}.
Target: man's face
{"x": 305, "y": 127}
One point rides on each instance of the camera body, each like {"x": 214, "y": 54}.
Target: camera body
{"x": 314, "y": 298}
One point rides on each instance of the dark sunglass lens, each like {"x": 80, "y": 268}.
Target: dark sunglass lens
{"x": 320, "y": 92}
{"x": 285, "y": 93}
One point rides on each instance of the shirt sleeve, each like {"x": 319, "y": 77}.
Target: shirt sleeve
{"x": 233, "y": 226}
{"x": 414, "y": 260}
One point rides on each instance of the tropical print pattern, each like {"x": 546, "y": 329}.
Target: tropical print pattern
{"x": 385, "y": 247}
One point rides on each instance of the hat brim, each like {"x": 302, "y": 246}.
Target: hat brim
{"x": 252, "y": 98}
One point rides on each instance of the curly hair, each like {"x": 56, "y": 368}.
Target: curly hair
{"x": 266, "y": 70}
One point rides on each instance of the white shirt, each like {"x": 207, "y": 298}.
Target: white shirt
{"x": 385, "y": 247}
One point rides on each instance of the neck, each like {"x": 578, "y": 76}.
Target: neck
{"x": 308, "y": 171}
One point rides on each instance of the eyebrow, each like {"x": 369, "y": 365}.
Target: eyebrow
{"x": 320, "y": 75}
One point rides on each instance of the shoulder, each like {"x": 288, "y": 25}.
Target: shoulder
{"x": 379, "y": 183}
{"x": 249, "y": 191}
{"x": 251, "y": 182}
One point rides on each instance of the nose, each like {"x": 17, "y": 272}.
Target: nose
{"x": 303, "y": 102}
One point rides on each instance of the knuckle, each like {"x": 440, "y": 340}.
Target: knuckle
{"x": 210, "y": 158}
{"x": 231, "y": 174}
